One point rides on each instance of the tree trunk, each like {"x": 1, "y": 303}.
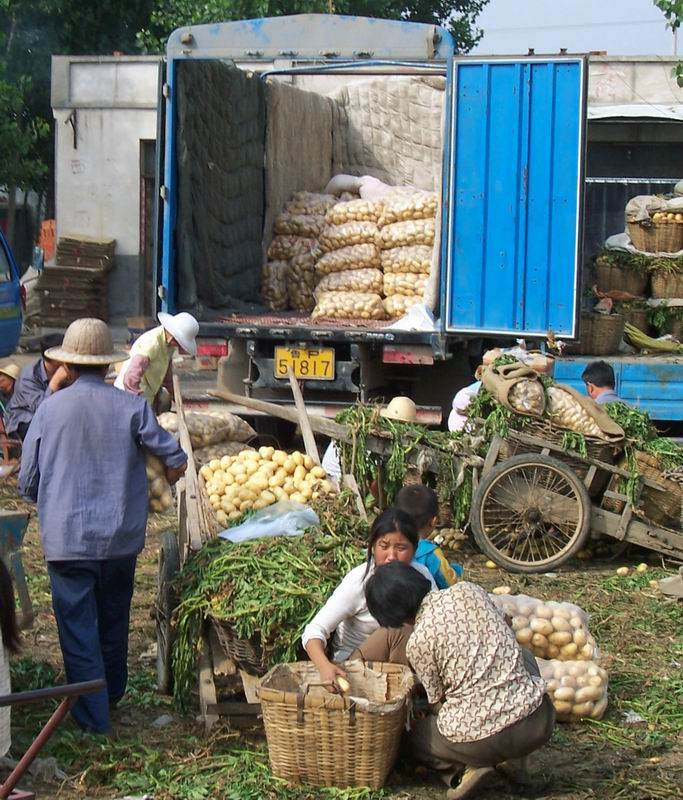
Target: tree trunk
{"x": 11, "y": 213}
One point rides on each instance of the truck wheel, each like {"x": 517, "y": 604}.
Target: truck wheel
{"x": 530, "y": 513}
{"x": 167, "y": 600}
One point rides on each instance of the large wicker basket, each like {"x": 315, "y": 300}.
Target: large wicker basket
{"x": 248, "y": 654}
{"x": 600, "y": 334}
{"x": 667, "y": 284}
{"x": 638, "y": 317}
{"x": 597, "y": 449}
{"x": 657, "y": 237}
{"x": 660, "y": 507}
{"x": 335, "y": 740}
{"x": 627, "y": 279}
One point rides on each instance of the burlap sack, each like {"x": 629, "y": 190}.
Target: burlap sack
{"x": 501, "y": 380}
{"x": 610, "y": 431}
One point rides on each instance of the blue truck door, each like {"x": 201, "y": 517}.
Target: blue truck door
{"x": 516, "y": 196}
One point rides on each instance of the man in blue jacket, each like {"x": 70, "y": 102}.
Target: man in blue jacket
{"x": 83, "y": 462}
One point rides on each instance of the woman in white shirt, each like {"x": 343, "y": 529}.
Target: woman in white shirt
{"x": 345, "y": 615}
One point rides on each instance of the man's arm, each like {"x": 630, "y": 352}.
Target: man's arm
{"x": 29, "y": 474}
{"x": 158, "y": 441}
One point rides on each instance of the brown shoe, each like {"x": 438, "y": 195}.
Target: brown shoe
{"x": 473, "y": 778}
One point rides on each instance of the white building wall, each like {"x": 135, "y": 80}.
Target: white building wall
{"x": 103, "y": 109}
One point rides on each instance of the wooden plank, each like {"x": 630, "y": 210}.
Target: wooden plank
{"x": 304, "y": 423}
{"x": 349, "y": 482}
{"x": 622, "y": 527}
{"x": 590, "y": 475}
{"x": 194, "y": 522}
{"x": 661, "y": 540}
{"x": 235, "y": 707}
{"x": 492, "y": 454}
{"x": 207, "y": 687}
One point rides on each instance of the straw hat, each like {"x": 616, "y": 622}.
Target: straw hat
{"x": 87, "y": 341}
{"x": 183, "y": 328}
{"x": 401, "y": 409}
{"x": 11, "y": 370}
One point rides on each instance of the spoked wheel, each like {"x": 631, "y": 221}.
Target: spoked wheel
{"x": 530, "y": 513}
{"x": 167, "y": 600}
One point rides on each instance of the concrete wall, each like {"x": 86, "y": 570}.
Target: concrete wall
{"x": 103, "y": 108}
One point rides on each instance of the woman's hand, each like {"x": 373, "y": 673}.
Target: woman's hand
{"x": 328, "y": 677}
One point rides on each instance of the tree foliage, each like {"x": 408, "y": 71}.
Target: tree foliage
{"x": 459, "y": 16}
{"x": 673, "y": 11}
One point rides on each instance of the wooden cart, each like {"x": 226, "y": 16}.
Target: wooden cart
{"x": 532, "y": 512}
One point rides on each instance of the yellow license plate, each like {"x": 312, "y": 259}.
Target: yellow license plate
{"x": 307, "y": 365}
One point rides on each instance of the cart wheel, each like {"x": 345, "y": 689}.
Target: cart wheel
{"x": 530, "y": 513}
{"x": 167, "y": 600}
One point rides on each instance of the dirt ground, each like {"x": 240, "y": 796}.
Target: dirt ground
{"x": 641, "y": 758}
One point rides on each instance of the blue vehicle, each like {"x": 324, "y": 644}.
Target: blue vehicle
{"x": 254, "y": 111}
{"x": 11, "y": 300}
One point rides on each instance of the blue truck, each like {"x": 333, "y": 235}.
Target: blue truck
{"x": 253, "y": 111}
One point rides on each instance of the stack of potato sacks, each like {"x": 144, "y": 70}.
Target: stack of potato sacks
{"x": 288, "y": 277}
{"x": 348, "y": 270}
{"x": 406, "y": 239}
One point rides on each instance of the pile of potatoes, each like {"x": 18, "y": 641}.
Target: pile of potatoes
{"x": 274, "y": 285}
{"x": 301, "y": 282}
{"x": 282, "y": 248}
{"x": 416, "y": 259}
{"x": 352, "y": 280}
{"x": 566, "y": 412}
{"x": 209, "y": 427}
{"x": 398, "y": 305}
{"x": 549, "y": 630}
{"x": 158, "y": 488}
{"x": 333, "y": 237}
{"x": 408, "y": 233}
{"x": 349, "y": 305}
{"x": 355, "y": 256}
{"x": 204, "y": 455}
{"x": 305, "y": 225}
{"x": 408, "y": 284}
{"x": 578, "y": 689}
{"x": 255, "y": 479}
{"x": 354, "y": 210}
{"x": 310, "y": 203}
{"x": 401, "y": 206}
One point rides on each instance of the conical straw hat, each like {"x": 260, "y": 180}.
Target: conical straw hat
{"x": 86, "y": 341}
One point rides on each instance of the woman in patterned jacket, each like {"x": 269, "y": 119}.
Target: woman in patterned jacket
{"x": 488, "y": 703}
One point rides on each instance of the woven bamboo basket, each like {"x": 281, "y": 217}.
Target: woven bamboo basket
{"x": 249, "y": 654}
{"x": 335, "y": 740}
{"x": 600, "y": 334}
{"x": 638, "y": 317}
{"x": 628, "y": 279}
{"x": 598, "y": 449}
{"x": 675, "y": 328}
{"x": 657, "y": 237}
{"x": 667, "y": 284}
{"x": 662, "y": 508}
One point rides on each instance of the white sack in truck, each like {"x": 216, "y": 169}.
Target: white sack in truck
{"x": 274, "y": 291}
{"x": 358, "y": 256}
{"x": 349, "y": 305}
{"x": 352, "y": 280}
{"x": 354, "y": 210}
{"x": 333, "y": 237}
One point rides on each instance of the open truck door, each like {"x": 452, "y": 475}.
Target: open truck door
{"x": 516, "y": 178}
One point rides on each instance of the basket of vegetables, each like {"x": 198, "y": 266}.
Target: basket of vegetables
{"x": 663, "y": 233}
{"x": 343, "y": 740}
{"x": 617, "y": 270}
{"x": 600, "y": 334}
{"x": 667, "y": 280}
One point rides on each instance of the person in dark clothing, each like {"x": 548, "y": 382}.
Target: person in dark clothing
{"x": 35, "y": 382}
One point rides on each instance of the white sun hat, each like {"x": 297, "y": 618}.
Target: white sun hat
{"x": 183, "y": 327}
{"x": 86, "y": 341}
{"x": 401, "y": 409}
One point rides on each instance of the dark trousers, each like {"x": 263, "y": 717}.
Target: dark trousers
{"x": 91, "y": 601}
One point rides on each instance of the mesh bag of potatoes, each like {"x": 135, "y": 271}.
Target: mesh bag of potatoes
{"x": 158, "y": 488}
{"x": 353, "y": 280}
{"x": 578, "y": 689}
{"x": 405, "y": 234}
{"x": 401, "y": 206}
{"x": 349, "y": 305}
{"x": 255, "y": 479}
{"x": 203, "y": 455}
{"x": 209, "y": 427}
{"x": 274, "y": 279}
{"x": 357, "y": 256}
{"x": 310, "y": 204}
{"x": 333, "y": 237}
{"x": 409, "y": 284}
{"x": 398, "y": 305}
{"x": 306, "y": 225}
{"x": 282, "y": 248}
{"x": 301, "y": 283}
{"x": 413, "y": 259}
{"x": 359, "y": 210}
{"x": 550, "y": 630}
